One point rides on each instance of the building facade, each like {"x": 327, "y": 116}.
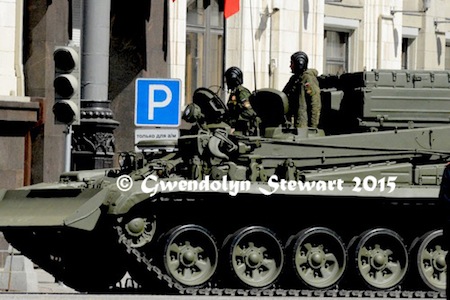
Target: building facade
{"x": 192, "y": 41}
{"x": 338, "y": 36}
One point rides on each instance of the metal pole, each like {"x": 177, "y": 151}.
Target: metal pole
{"x": 274, "y": 10}
{"x": 253, "y": 44}
{"x": 270, "y": 51}
{"x": 95, "y": 43}
{"x": 68, "y": 149}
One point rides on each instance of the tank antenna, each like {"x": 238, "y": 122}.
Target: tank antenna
{"x": 253, "y": 44}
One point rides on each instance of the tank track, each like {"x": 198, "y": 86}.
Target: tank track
{"x": 176, "y": 288}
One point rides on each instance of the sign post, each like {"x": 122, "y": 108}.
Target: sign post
{"x": 158, "y": 102}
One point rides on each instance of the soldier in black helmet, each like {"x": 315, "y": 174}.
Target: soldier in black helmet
{"x": 303, "y": 93}
{"x": 242, "y": 117}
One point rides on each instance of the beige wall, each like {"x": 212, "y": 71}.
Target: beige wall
{"x": 11, "y": 71}
{"x": 375, "y": 41}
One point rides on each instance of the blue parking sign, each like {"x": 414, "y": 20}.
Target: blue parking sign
{"x": 158, "y": 102}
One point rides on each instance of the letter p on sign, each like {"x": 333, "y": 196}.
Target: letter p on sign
{"x": 158, "y": 102}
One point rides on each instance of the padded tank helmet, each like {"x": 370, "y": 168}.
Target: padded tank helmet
{"x": 234, "y": 77}
{"x": 300, "y": 61}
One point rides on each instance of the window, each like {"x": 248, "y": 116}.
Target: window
{"x": 336, "y": 52}
{"x": 409, "y": 47}
{"x": 447, "y": 56}
{"x": 406, "y": 53}
{"x": 204, "y": 47}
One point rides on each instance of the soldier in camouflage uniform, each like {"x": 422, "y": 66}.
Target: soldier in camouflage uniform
{"x": 242, "y": 117}
{"x": 303, "y": 93}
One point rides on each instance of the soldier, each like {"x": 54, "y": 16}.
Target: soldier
{"x": 303, "y": 93}
{"x": 242, "y": 117}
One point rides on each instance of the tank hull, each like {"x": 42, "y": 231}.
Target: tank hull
{"x": 410, "y": 212}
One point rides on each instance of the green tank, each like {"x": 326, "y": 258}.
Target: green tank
{"x": 349, "y": 206}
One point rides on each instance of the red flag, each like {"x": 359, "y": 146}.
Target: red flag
{"x": 230, "y": 7}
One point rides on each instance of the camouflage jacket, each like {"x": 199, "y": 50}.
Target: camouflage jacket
{"x": 242, "y": 117}
{"x": 312, "y": 95}
{"x": 303, "y": 93}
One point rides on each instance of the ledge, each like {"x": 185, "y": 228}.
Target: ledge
{"x": 17, "y": 115}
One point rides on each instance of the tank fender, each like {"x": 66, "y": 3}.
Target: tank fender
{"x": 115, "y": 201}
{"x": 55, "y": 205}
{"x": 2, "y": 194}
{"x": 144, "y": 189}
{"x": 120, "y": 202}
{"x": 87, "y": 215}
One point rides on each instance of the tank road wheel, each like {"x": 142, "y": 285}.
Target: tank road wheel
{"x": 190, "y": 255}
{"x": 319, "y": 257}
{"x": 137, "y": 231}
{"x": 382, "y": 259}
{"x": 256, "y": 256}
{"x": 430, "y": 261}
{"x": 140, "y": 230}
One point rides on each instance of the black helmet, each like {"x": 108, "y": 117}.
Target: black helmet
{"x": 300, "y": 61}
{"x": 234, "y": 77}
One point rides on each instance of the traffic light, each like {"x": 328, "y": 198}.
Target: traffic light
{"x": 67, "y": 85}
